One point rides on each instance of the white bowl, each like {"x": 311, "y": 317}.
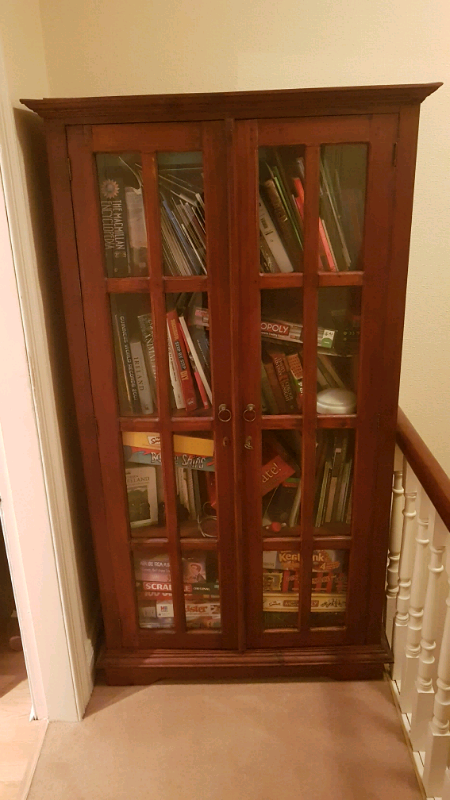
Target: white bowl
{"x": 336, "y": 401}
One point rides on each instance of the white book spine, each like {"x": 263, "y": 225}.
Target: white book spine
{"x": 273, "y": 240}
{"x": 178, "y": 394}
{"x": 140, "y": 371}
{"x": 197, "y": 361}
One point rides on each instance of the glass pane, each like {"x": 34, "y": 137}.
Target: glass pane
{"x": 334, "y": 478}
{"x": 189, "y": 354}
{"x": 281, "y": 208}
{"x": 196, "y": 485}
{"x": 338, "y": 349}
{"x": 329, "y": 588}
{"x": 201, "y": 587}
{"x": 182, "y": 209}
{"x": 281, "y": 577}
{"x": 343, "y": 170}
{"x": 153, "y": 590}
{"x": 144, "y": 484}
{"x": 122, "y": 214}
{"x": 281, "y": 481}
{"x": 281, "y": 351}
{"x": 134, "y": 353}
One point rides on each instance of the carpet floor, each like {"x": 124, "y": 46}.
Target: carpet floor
{"x": 312, "y": 740}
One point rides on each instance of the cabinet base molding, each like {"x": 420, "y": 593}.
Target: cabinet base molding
{"x": 365, "y": 662}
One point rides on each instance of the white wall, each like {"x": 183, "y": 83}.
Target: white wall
{"x": 45, "y": 520}
{"x": 111, "y": 47}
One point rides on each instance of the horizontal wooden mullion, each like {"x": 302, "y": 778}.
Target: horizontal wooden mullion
{"x": 159, "y": 543}
{"x": 194, "y": 283}
{"x": 188, "y": 424}
{"x": 282, "y": 543}
{"x": 128, "y": 285}
{"x": 336, "y": 421}
{"x": 332, "y": 542}
{"x": 192, "y": 543}
{"x": 355, "y": 278}
{"x": 281, "y": 422}
{"x": 148, "y": 423}
{"x": 281, "y": 280}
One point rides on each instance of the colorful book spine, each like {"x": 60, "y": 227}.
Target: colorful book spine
{"x": 174, "y": 379}
{"x": 275, "y": 387}
{"x": 197, "y": 367}
{"x": 146, "y": 326}
{"x": 296, "y": 375}
{"x": 324, "y": 244}
{"x": 127, "y": 361}
{"x": 113, "y": 218}
{"x": 282, "y": 371}
{"x": 181, "y": 361}
{"x": 267, "y": 392}
{"x": 273, "y": 240}
{"x": 283, "y": 220}
{"x": 142, "y": 381}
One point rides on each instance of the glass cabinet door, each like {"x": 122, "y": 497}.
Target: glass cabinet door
{"x": 151, "y": 221}
{"x": 308, "y": 394}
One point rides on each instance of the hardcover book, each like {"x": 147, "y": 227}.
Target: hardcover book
{"x": 142, "y": 496}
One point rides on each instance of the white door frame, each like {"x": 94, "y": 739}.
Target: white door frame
{"x": 33, "y": 493}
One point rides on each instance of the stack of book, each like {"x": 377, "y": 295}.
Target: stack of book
{"x": 188, "y": 354}
{"x": 282, "y": 209}
{"x": 194, "y": 473}
{"x": 329, "y": 583}
{"x": 182, "y": 218}
{"x": 154, "y": 590}
{"x": 281, "y": 580}
{"x": 333, "y": 502}
{"x": 280, "y": 479}
{"x": 122, "y": 215}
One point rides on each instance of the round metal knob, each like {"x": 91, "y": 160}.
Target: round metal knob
{"x": 224, "y": 413}
{"x": 250, "y": 413}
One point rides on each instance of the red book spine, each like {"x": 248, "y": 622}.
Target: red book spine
{"x": 181, "y": 361}
{"x": 276, "y": 388}
{"x": 323, "y": 240}
{"x": 275, "y": 472}
{"x": 197, "y": 377}
{"x": 282, "y": 371}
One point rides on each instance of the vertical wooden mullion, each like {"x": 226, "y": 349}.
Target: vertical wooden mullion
{"x": 216, "y": 218}
{"x": 158, "y": 306}
{"x": 310, "y": 306}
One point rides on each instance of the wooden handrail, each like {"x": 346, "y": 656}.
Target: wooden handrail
{"x": 427, "y": 469}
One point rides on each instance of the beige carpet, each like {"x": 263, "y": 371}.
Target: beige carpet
{"x": 261, "y": 741}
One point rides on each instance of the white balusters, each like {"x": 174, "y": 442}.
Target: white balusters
{"x": 437, "y": 746}
{"x": 423, "y": 697}
{"x": 418, "y": 589}
{"x": 395, "y": 544}
{"x": 405, "y": 569}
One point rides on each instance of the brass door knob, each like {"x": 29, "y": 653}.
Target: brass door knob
{"x": 224, "y": 413}
{"x": 249, "y": 413}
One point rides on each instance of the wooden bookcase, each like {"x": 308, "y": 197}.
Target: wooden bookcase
{"x": 271, "y": 561}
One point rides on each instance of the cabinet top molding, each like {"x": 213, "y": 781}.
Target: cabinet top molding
{"x": 239, "y": 105}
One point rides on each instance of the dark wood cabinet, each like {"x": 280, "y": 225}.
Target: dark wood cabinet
{"x": 234, "y": 274}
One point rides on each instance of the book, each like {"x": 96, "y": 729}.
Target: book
{"x": 145, "y": 322}
{"x": 113, "y": 216}
{"x": 329, "y": 580}
{"x": 282, "y": 372}
{"x": 203, "y": 615}
{"x": 142, "y": 496}
{"x": 283, "y": 220}
{"x": 272, "y": 238}
{"x": 174, "y": 379}
{"x": 326, "y": 257}
{"x": 201, "y": 345}
{"x": 137, "y": 230}
{"x": 328, "y": 369}
{"x": 275, "y": 387}
{"x": 199, "y": 373}
{"x": 296, "y": 377}
{"x": 121, "y": 328}
{"x": 142, "y": 381}
{"x": 195, "y": 452}
{"x": 181, "y": 361}
{"x": 336, "y": 466}
{"x": 267, "y": 392}
{"x": 277, "y": 464}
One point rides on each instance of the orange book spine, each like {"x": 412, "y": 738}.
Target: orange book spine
{"x": 324, "y": 246}
{"x": 181, "y": 361}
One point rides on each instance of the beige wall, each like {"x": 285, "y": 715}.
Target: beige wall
{"x": 111, "y": 47}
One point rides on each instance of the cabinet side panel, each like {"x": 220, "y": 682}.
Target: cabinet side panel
{"x": 392, "y": 351}
{"x": 73, "y": 311}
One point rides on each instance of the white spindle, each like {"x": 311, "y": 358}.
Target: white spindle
{"x": 405, "y": 569}
{"x": 423, "y": 697}
{"x": 437, "y": 747}
{"x": 395, "y": 544}
{"x": 418, "y": 589}
{"x": 446, "y": 786}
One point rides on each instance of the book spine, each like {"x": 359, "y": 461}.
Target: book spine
{"x": 176, "y": 386}
{"x": 267, "y": 255}
{"x": 282, "y": 372}
{"x": 197, "y": 368}
{"x": 283, "y": 220}
{"x": 142, "y": 381}
{"x": 267, "y": 392}
{"x": 137, "y": 230}
{"x": 181, "y": 361}
{"x": 324, "y": 243}
{"x": 114, "y": 219}
{"x": 296, "y": 375}
{"x": 128, "y": 361}
{"x": 273, "y": 240}
{"x": 276, "y": 388}
{"x": 191, "y": 495}
{"x": 146, "y": 325}
{"x": 274, "y": 472}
